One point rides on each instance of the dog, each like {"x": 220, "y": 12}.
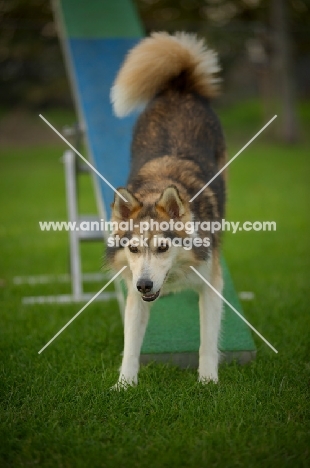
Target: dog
{"x": 177, "y": 147}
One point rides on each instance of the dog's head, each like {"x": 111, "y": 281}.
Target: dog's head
{"x": 152, "y": 239}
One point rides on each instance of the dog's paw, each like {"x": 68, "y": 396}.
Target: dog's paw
{"x": 208, "y": 376}
{"x": 208, "y": 379}
{"x": 119, "y": 386}
{"x": 124, "y": 384}
{"x": 208, "y": 370}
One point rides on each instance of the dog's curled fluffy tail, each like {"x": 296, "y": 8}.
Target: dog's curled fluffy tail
{"x": 156, "y": 61}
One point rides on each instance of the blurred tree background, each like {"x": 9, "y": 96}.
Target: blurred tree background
{"x": 264, "y": 49}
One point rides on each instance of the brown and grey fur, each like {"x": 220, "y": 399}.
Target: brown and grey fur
{"x": 177, "y": 147}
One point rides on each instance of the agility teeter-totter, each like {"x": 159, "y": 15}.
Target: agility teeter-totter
{"x": 96, "y": 36}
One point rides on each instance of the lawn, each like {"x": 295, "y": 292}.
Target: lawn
{"x": 57, "y": 409}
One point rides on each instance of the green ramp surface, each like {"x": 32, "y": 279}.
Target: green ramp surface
{"x": 173, "y": 331}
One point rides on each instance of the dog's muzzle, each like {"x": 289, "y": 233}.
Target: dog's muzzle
{"x": 145, "y": 286}
{"x": 150, "y": 297}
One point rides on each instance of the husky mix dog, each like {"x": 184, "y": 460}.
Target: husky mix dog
{"x": 177, "y": 147}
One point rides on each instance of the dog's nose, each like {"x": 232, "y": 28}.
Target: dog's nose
{"x": 144, "y": 285}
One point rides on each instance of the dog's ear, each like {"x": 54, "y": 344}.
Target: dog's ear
{"x": 121, "y": 209}
{"x": 171, "y": 203}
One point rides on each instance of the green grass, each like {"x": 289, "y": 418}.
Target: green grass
{"x": 57, "y": 409}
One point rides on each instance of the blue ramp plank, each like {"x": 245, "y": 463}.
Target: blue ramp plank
{"x": 95, "y": 64}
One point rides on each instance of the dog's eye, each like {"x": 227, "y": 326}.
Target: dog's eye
{"x": 133, "y": 249}
{"x": 163, "y": 248}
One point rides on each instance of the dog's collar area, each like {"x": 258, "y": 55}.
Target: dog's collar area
{"x": 150, "y": 297}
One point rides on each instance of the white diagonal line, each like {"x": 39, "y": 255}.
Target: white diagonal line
{"x": 235, "y": 310}
{"x": 83, "y": 308}
{"x": 232, "y": 159}
{"x": 82, "y": 157}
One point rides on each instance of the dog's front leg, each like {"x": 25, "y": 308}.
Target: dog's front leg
{"x": 135, "y": 323}
{"x": 210, "y": 309}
